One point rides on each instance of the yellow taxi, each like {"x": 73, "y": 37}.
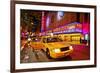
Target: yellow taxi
{"x": 36, "y": 44}
{"x": 54, "y": 47}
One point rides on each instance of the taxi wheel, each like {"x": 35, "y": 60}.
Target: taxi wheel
{"x": 48, "y": 54}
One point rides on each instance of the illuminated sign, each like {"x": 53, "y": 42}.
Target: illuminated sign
{"x": 47, "y": 21}
{"x": 73, "y": 27}
{"x": 43, "y": 21}
{"x": 69, "y": 28}
{"x": 60, "y": 14}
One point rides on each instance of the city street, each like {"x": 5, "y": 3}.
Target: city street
{"x": 81, "y": 52}
{"x": 59, "y": 33}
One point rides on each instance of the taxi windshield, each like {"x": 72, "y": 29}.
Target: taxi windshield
{"x": 54, "y": 39}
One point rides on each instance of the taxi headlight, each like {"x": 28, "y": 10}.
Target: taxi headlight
{"x": 29, "y": 39}
{"x": 71, "y": 47}
{"x": 56, "y": 50}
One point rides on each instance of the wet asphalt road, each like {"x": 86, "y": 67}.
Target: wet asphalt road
{"x": 81, "y": 52}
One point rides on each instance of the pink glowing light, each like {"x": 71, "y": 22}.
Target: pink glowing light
{"x": 85, "y": 28}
